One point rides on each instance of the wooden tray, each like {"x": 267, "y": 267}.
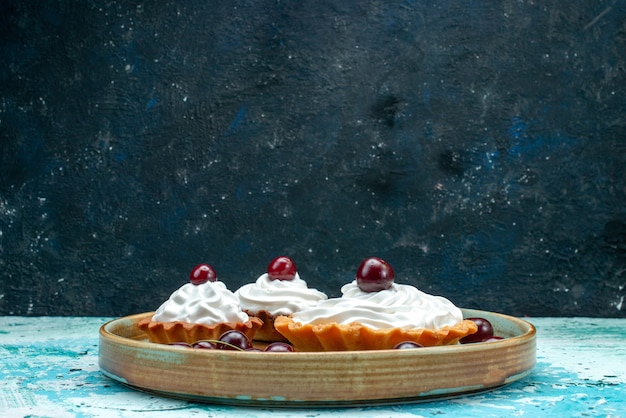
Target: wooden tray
{"x": 334, "y": 379}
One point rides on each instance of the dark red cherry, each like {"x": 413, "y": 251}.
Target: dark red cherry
{"x": 205, "y": 345}
{"x": 279, "y": 347}
{"x": 233, "y": 340}
{"x": 485, "y": 330}
{"x": 494, "y": 338}
{"x": 281, "y": 268}
{"x": 374, "y": 274}
{"x": 407, "y": 345}
{"x": 202, "y": 273}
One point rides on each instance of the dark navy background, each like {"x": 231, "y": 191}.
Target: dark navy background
{"x": 477, "y": 146}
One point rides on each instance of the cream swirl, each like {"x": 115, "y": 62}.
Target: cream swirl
{"x": 209, "y": 303}
{"x": 278, "y": 297}
{"x": 400, "y": 306}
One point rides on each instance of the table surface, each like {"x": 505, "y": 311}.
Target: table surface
{"x": 50, "y": 369}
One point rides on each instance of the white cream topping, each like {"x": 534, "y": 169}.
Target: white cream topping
{"x": 209, "y": 303}
{"x": 400, "y": 306}
{"x": 278, "y": 297}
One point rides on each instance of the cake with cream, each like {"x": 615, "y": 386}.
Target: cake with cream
{"x": 202, "y": 309}
{"x": 375, "y": 313}
{"x": 279, "y": 291}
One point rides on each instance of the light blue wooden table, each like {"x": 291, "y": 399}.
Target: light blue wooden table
{"x": 49, "y": 368}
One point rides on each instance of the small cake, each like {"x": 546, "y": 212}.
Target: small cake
{"x": 200, "y": 310}
{"x": 375, "y": 313}
{"x": 280, "y": 291}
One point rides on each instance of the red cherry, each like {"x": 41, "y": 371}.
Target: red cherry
{"x": 494, "y": 338}
{"x": 374, "y": 274}
{"x": 281, "y": 268}
{"x": 407, "y": 345}
{"x": 233, "y": 340}
{"x": 202, "y": 273}
{"x": 279, "y": 347}
{"x": 205, "y": 345}
{"x": 485, "y": 330}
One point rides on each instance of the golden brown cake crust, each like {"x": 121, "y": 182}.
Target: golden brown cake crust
{"x": 354, "y": 336}
{"x": 267, "y": 332}
{"x": 170, "y": 332}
